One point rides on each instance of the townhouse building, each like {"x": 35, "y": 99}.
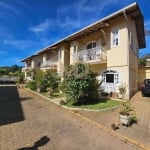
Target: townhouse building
{"x": 110, "y": 45}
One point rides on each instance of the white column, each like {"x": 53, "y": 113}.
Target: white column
{"x": 44, "y": 58}
{"x": 32, "y": 64}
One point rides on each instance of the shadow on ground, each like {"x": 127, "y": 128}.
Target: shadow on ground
{"x": 10, "y": 106}
{"x": 41, "y": 142}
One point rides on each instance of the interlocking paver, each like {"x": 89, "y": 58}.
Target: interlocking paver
{"x": 45, "y": 126}
{"x": 140, "y": 131}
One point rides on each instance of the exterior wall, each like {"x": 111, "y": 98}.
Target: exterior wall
{"x": 133, "y": 57}
{"x": 64, "y": 60}
{"x": 66, "y": 55}
{"x": 37, "y": 62}
{"x": 117, "y": 56}
{"x": 148, "y": 62}
{"x": 98, "y": 68}
{"x": 133, "y": 73}
{"x": 144, "y": 73}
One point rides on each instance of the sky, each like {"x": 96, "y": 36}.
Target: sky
{"x": 27, "y": 26}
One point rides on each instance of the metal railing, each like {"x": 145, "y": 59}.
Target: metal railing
{"x": 97, "y": 53}
{"x": 26, "y": 68}
{"x": 50, "y": 63}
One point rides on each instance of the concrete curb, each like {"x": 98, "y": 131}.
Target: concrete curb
{"x": 106, "y": 129}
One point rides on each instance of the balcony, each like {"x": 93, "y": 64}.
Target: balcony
{"x": 94, "y": 55}
{"x": 50, "y": 64}
{"x": 27, "y": 68}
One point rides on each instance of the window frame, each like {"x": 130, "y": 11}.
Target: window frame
{"x": 91, "y": 42}
{"x": 115, "y": 37}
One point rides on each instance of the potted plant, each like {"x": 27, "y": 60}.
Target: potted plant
{"x": 126, "y": 114}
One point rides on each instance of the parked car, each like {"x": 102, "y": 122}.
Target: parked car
{"x": 145, "y": 87}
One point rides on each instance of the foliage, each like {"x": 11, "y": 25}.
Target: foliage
{"x": 61, "y": 86}
{"x": 81, "y": 84}
{"x": 11, "y": 71}
{"x": 127, "y": 110}
{"x": 39, "y": 79}
{"x": 51, "y": 80}
{"x": 122, "y": 89}
{"x": 142, "y": 60}
{"x": 46, "y": 80}
{"x": 32, "y": 85}
{"x": 20, "y": 78}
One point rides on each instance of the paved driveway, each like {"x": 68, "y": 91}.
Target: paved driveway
{"x": 41, "y": 125}
{"x": 140, "y": 131}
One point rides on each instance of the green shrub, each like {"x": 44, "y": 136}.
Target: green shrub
{"x": 61, "y": 86}
{"x": 81, "y": 85}
{"x": 32, "y": 85}
{"x": 51, "y": 80}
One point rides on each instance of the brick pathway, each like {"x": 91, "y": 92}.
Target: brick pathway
{"x": 140, "y": 131}
{"x": 41, "y": 125}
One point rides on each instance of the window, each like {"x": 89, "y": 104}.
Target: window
{"x": 110, "y": 76}
{"x": 115, "y": 37}
{"x": 91, "y": 45}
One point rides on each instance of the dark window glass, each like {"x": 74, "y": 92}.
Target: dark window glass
{"x": 110, "y": 78}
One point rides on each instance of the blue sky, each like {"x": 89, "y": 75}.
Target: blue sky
{"x": 26, "y": 26}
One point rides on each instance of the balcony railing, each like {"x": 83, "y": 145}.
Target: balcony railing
{"x": 97, "y": 53}
{"x": 50, "y": 63}
{"x": 26, "y": 69}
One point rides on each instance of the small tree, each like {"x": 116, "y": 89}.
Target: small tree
{"x": 81, "y": 84}
{"x": 52, "y": 80}
{"x": 122, "y": 89}
{"x": 39, "y": 79}
{"x": 20, "y": 78}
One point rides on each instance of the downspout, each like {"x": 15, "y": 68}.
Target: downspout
{"x": 128, "y": 63}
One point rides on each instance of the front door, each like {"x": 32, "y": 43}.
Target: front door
{"x": 110, "y": 80}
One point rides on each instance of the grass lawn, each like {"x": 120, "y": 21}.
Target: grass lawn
{"x": 103, "y": 104}
{"x": 55, "y": 95}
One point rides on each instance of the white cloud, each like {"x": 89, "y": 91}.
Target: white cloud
{"x": 23, "y": 4}
{"x": 80, "y": 13}
{"x": 68, "y": 22}
{"x": 20, "y": 44}
{"x": 42, "y": 27}
{"x": 147, "y": 24}
{"x": 5, "y": 9}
